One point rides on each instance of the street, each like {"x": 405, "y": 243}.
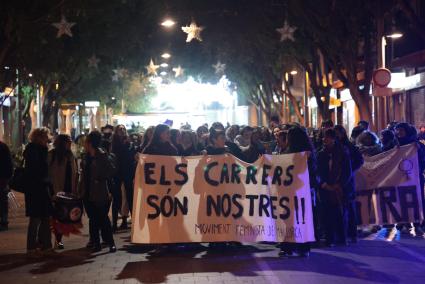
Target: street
{"x": 372, "y": 260}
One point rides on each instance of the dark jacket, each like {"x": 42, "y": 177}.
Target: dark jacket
{"x": 124, "y": 160}
{"x": 357, "y": 161}
{"x": 216, "y": 151}
{"x": 340, "y": 173}
{"x": 95, "y": 173}
{"x": 165, "y": 149}
{"x": 191, "y": 151}
{"x": 254, "y": 151}
{"x": 234, "y": 149}
{"x": 6, "y": 166}
{"x": 37, "y": 195}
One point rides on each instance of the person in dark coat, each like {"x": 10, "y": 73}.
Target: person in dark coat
{"x": 357, "y": 161}
{"x": 96, "y": 168}
{"x": 125, "y": 154}
{"x": 160, "y": 143}
{"x": 6, "y": 171}
{"x": 217, "y": 144}
{"x": 38, "y": 206}
{"x": 388, "y": 140}
{"x": 298, "y": 141}
{"x": 334, "y": 170}
{"x": 256, "y": 148}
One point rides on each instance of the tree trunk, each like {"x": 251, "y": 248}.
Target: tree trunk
{"x": 362, "y": 102}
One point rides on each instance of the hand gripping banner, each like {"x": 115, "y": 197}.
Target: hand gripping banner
{"x": 387, "y": 188}
{"x": 220, "y": 199}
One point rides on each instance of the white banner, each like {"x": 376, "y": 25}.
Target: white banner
{"x": 220, "y": 199}
{"x": 387, "y": 188}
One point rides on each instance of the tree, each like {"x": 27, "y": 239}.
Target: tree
{"x": 346, "y": 42}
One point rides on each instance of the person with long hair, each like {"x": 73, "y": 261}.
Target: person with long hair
{"x": 299, "y": 141}
{"x": 160, "y": 143}
{"x": 125, "y": 154}
{"x": 176, "y": 140}
{"x": 217, "y": 146}
{"x": 147, "y": 136}
{"x": 231, "y": 134}
{"x": 38, "y": 205}
{"x": 63, "y": 172}
{"x": 188, "y": 143}
{"x": 244, "y": 139}
{"x": 202, "y": 133}
{"x": 334, "y": 171}
{"x": 357, "y": 161}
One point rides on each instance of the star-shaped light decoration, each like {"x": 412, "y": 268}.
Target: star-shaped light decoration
{"x": 64, "y": 27}
{"x": 152, "y": 68}
{"x": 286, "y": 32}
{"x": 193, "y": 32}
{"x": 219, "y": 67}
{"x": 93, "y": 61}
{"x": 178, "y": 71}
{"x": 115, "y": 78}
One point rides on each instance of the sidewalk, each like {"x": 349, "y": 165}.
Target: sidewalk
{"x": 372, "y": 260}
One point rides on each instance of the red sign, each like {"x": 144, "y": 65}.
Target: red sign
{"x": 381, "y": 77}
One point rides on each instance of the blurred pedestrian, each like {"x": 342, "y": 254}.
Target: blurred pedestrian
{"x": 6, "y": 171}
{"x": 63, "y": 172}
{"x": 38, "y": 203}
{"x": 96, "y": 168}
{"x": 125, "y": 153}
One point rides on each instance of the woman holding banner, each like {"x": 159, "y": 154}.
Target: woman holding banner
{"x": 160, "y": 143}
{"x": 298, "y": 141}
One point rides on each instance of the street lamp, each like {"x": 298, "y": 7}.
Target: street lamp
{"x": 163, "y": 73}
{"x": 293, "y": 72}
{"x": 392, "y": 36}
{"x": 30, "y": 75}
{"x": 164, "y": 65}
{"x": 168, "y": 23}
{"x": 395, "y": 35}
{"x": 166, "y": 55}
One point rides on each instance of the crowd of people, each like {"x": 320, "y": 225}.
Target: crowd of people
{"x": 111, "y": 155}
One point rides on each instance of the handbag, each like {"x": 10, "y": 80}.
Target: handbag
{"x": 17, "y": 182}
{"x": 68, "y": 208}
